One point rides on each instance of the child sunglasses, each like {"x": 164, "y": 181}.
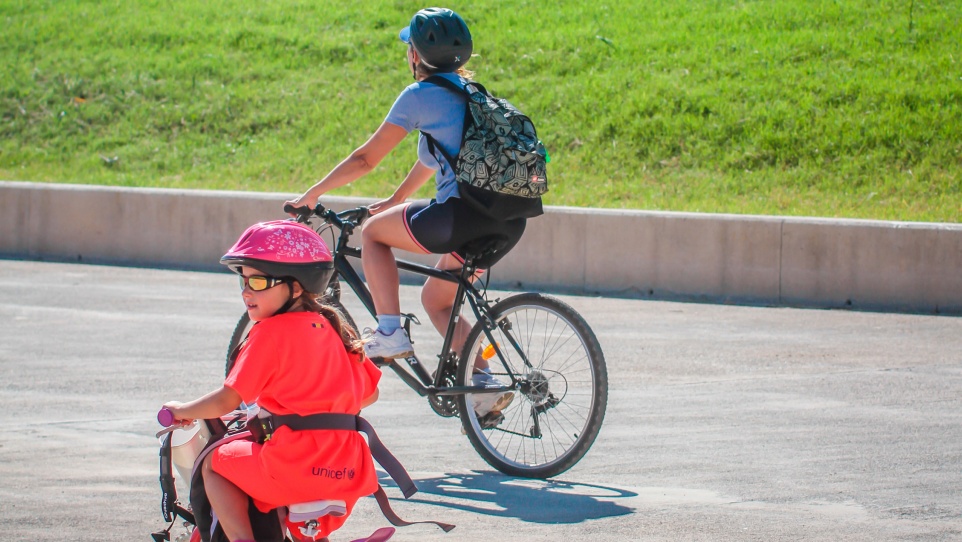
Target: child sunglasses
{"x": 259, "y": 283}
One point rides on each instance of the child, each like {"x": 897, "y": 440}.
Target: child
{"x": 298, "y": 359}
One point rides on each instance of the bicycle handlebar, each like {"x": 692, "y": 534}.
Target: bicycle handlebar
{"x": 165, "y": 417}
{"x": 350, "y": 218}
{"x": 356, "y": 215}
{"x": 301, "y": 212}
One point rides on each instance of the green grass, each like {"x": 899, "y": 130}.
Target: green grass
{"x": 847, "y": 108}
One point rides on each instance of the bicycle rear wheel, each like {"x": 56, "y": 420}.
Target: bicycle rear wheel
{"x": 560, "y": 393}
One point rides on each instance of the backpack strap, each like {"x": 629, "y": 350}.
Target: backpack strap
{"x": 350, "y": 422}
{"x": 384, "y": 457}
{"x": 168, "y": 500}
{"x": 384, "y": 503}
{"x": 451, "y": 85}
{"x": 433, "y": 146}
{"x": 266, "y": 525}
{"x": 446, "y": 83}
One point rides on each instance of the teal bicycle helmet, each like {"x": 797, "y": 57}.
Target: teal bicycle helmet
{"x": 440, "y": 37}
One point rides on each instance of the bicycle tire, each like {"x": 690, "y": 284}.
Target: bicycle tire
{"x": 564, "y": 392}
{"x": 241, "y": 330}
{"x": 332, "y": 296}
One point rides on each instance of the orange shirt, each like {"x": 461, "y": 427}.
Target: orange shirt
{"x": 295, "y": 363}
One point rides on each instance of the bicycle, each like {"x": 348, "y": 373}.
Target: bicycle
{"x": 540, "y": 345}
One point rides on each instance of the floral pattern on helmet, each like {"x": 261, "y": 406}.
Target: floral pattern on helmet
{"x": 280, "y": 241}
{"x": 295, "y": 245}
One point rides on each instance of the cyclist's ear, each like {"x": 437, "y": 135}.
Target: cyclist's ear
{"x": 296, "y": 289}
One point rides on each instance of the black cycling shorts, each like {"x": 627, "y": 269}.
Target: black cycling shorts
{"x": 446, "y": 227}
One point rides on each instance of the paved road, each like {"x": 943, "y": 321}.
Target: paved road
{"x": 724, "y": 423}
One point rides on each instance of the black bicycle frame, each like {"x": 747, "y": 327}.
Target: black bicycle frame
{"x": 421, "y": 382}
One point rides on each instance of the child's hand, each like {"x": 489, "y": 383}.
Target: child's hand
{"x": 175, "y": 408}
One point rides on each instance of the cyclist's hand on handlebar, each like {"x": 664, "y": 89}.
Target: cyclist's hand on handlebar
{"x": 302, "y": 214}
{"x": 174, "y": 408}
{"x": 301, "y": 201}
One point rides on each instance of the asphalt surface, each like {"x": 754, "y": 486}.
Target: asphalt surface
{"x": 723, "y": 423}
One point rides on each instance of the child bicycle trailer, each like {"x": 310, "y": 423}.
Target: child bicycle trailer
{"x": 296, "y": 522}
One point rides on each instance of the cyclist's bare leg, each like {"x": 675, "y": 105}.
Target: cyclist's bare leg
{"x": 437, "y": 296}
{"x": 229, "y": 503}
{"x": 379, "y": 234}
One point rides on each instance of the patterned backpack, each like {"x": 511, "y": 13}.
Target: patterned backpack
{"x": 501, "y": 166}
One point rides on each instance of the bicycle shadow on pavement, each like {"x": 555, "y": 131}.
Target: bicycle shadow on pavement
{"x": 534, "y": 501}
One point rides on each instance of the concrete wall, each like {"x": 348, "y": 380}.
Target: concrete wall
{"x": 860, "y": 264}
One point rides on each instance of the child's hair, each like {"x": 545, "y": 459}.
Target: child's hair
{"x": 352, "y": 342}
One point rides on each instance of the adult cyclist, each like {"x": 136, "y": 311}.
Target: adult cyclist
{"x": 438, "y": 44}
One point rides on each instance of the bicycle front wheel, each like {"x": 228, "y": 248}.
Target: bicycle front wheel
{"x": 332, "y": 298}
{"x": 239, "y": 335}
{"x": 560, "y": 387}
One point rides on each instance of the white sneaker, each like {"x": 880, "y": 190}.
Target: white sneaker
{"x": 395, "y": 345}
{"x": 490, "y": 402}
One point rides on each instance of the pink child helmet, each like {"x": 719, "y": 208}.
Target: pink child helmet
{"x": 284, "y": 248}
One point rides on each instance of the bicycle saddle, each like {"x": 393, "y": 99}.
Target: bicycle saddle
{"x": 304, "y": 516}
{"x": 486, "y": 251}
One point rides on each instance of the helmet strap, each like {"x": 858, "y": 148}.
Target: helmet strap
{"x": 414, "y": 63}
{"x": 290, "y": 300}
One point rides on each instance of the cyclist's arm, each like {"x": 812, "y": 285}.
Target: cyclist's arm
{"x": 415, "y": 179}
{"x": 213, "y": 405}
{"x": 360, "y": 162}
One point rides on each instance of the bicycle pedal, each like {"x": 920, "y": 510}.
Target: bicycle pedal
{"x": 408, "y": 318}
{"x": 491, "y": 419}
{"x": 381, "y": 362}
{"x": 488, "y": 421}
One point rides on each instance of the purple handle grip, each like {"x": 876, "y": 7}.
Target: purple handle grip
{"x": 165, "y": 417}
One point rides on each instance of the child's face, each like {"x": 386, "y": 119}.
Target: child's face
{"x": 265, "y": 303}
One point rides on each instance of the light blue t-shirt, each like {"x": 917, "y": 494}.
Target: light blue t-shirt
{"x": 439, "y": 112}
